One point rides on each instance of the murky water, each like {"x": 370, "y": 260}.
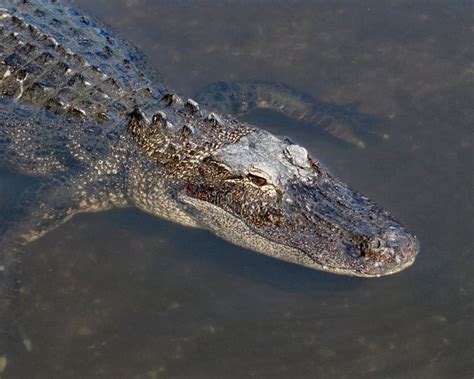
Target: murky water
{"x": 125, "y": 295}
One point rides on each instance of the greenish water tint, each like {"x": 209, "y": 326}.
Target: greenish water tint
{"x": 125, "y": 295}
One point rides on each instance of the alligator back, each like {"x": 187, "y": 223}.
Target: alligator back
{"x": 64, "y": 77}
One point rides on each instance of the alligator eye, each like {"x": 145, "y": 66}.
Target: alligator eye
{"x": 257, "y": 180}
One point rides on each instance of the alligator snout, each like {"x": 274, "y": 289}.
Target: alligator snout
{"x": 358, "y": 237}
{"x": 394, "y": 250}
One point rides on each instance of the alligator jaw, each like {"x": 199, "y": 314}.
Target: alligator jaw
{"x": 325, "y": 257}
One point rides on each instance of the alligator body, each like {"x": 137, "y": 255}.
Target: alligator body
{"x": 82, "y": 110}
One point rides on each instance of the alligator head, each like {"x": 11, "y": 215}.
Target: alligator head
{"x": 267, "y": 194}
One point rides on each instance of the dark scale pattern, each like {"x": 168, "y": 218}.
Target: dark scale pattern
{"x": 83, "y": 78}
{"x": 181, "y": 148}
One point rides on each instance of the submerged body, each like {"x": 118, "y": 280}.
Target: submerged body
{"x": 81, "y": 108}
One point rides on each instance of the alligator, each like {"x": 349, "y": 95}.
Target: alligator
{"x": 83, "y": 111}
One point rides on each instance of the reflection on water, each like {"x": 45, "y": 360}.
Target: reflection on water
{"x": 123, "y": 294}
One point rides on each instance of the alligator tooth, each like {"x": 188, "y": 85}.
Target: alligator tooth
{"x": 191, "y": 106}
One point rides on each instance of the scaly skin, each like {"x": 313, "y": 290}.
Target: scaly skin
{"x": 81, "y": 109}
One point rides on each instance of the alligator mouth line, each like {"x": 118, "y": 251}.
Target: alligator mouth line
{"x": 288, "y": 253}
{"x": 342, "y": 271}
{"x": 346, "y": 271}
